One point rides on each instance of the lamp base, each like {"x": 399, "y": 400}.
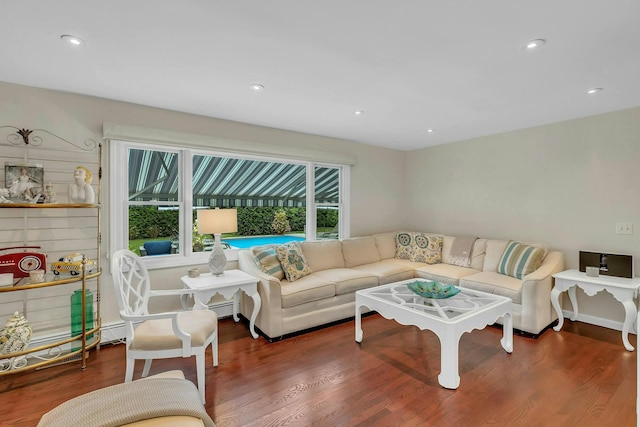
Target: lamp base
{"x": 217, "y": 259}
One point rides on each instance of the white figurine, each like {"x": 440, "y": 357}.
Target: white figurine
{"x": 81, "y": 191}
{"x": 49, "y": 194}
{"x": 4, "y": 195}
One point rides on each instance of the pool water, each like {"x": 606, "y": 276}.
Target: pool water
{"x": 248, "y": 242}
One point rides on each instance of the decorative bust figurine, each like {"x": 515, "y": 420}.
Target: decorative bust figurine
{"x": 81, "y": 191}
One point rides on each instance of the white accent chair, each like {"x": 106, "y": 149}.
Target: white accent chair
{"x": 159, "y": 335}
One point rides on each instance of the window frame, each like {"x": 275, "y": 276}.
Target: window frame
{"x": 119, "y": 203}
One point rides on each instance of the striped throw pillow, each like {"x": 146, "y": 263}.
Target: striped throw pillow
{"x": 518, "y": 260}
{"x": 268, "y": 262}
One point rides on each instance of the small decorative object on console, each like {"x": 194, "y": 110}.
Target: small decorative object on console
{"x": 432, "y": 289}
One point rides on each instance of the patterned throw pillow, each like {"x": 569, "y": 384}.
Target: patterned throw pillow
{"x": 293, "y": 261}
{"x": 267, "y": 260}
{"x": 404, "y": 245}
{"x": 518, "y": 260}
{"x": 427, "y": 248}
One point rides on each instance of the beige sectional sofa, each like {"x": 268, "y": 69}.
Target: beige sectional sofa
{"x": 340, "y": 268}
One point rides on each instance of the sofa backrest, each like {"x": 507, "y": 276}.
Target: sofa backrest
{"x": 323, "y": 254}
{"x": 386, "y": 244}
{"x": 359, "y": 251}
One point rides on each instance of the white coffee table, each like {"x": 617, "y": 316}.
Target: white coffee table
{"x": 229, "y": 284}
{"x": 448, "y": 318}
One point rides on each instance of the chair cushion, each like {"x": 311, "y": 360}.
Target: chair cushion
{"x": 267, "y": 259}
{"x": 518, "y": 260}
{"x": 158, "y": 247}
{"x": 159, "y": 335}
{"x": 293, "y": 262}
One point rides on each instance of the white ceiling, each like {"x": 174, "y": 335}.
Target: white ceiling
{"x": 452, "y": 65}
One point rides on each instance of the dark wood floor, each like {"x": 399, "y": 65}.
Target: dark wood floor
{"x": 581, "y": 376}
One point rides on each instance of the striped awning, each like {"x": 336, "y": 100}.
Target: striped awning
{"x": 228, "y": 182}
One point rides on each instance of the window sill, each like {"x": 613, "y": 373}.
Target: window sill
{"x": 198, "y": 258}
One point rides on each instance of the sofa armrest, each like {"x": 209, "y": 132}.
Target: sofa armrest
{"x": 537, "y": 311}
{"x": 269, "y": 319}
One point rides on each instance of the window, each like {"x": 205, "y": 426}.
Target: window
{"x": 154, "y": 201}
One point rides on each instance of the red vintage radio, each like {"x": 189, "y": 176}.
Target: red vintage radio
{"x": 20, "y": 260}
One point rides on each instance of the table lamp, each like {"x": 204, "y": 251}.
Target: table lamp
{"x": 217, "y": 221}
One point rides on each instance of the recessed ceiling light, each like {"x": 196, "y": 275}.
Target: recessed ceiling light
{"x": 257, "y": 87}
{"x": 73, "y": 40}
{"x": 534, "y": 44}
{"x": 594, "y": 90}
{"x": 359, "y": 112}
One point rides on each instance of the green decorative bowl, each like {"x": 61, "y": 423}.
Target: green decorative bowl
{"x": 432, "y": 289}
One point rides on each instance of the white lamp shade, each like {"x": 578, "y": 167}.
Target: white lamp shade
{"x": 217, "y": 221}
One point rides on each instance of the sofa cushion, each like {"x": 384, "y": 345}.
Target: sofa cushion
{"x": 158, "y": 247}
{"x": 359, "y": 251}
{"x": 348, "y": 280}
{"x": 293, "y": 262}
{"x": 444, "y": 273}
{"x": 386, "y": 244}
{"x": 306, "y": 289}
{"x": 323, "y": 255}
{"x": 389, "y": 270}
{"x": 267, "y": 259}
{"x": 518, "y": 260}
{"x": 426, "y": 248}
{"x": 494, "y": 283}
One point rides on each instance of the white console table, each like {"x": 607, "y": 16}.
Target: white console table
{"x": 622, "y": 289}
{"x": 228, "y": 284}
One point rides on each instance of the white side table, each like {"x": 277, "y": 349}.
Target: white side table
{"x": 622, "y": 289}
{"x": 229, "y": 284}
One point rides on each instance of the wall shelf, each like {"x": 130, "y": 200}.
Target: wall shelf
{"x": 58, "y": 227}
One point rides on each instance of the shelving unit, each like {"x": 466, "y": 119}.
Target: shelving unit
{"x": 32, "y": 229}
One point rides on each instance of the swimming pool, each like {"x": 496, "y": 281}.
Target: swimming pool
{"x": 248, "y": 242}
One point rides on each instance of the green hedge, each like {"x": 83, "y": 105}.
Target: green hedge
{"x": 147, "y": 222}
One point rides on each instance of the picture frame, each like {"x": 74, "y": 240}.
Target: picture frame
{"x": 24, "y": 182}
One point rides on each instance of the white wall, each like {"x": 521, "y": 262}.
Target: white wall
{"x": 377, "y": 181}
{"x": 566, "y": 184}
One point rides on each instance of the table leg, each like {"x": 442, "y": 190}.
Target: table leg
{"x": 257, "y": 303}
{"x": 449, "y": 377}
{"x": 358, "y": 324}
{"x": 555, "y": 302}
{"x": 507, "y": 333}
{"x": 574, "y": 302}
{"x": 184, "y": 299}
{"x": 630, "y": 314}
{"x": 236, "y": 301}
